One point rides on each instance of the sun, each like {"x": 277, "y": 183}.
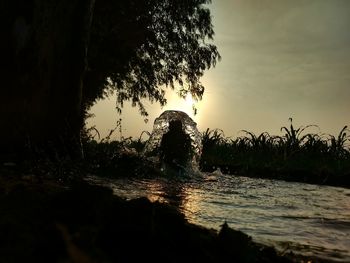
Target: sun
{"x": 183, "y": 104}
{"x": 186, "y": 104}
{"x": 189, "y": 101}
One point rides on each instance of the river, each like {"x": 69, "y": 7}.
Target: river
{"x": 303, "y": 218}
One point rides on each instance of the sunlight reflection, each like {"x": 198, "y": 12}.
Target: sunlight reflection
{"x": 188, "y": 200}
{"x": 191, "y": 206}
{"x": 308, "y": 219}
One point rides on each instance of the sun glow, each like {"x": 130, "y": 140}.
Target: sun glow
{"x": 189, "y": 100}
{"x": 200, "y": 111}
{"x": 183, "y": 104}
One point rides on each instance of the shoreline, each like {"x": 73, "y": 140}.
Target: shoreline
{"x": 50, "y": 221}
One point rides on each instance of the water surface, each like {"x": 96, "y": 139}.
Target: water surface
{"x": 303, "y": 218}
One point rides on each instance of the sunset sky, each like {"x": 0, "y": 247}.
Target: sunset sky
{"x": 280, "y": 59}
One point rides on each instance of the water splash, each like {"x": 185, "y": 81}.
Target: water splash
{"x": 161, "y": 126}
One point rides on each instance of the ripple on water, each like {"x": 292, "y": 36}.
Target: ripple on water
{"x": 307, "y": 219}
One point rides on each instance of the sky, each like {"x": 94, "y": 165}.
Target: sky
{"x": 281, "y": 59}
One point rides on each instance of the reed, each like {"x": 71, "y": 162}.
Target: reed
{"x": 294, "y": 155}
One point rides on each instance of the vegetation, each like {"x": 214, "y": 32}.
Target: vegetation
{"x": 296, "y": 155}
{"x": 61, "y": 56}
{"x": 138, "y": 48}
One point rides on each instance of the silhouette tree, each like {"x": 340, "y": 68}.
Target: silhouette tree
{"x": 138, "y": 48}
{"x": 44, "y": 51}
{"x": 55, "y": 65}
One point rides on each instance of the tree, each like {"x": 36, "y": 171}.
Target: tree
{"x": 135, "y": 47}
{"x": 43, "y": 48}
{"x": 139, "y": 48}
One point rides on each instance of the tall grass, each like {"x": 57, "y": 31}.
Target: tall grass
{"x": 294, "y": 155}
{"x": 111, "y": 156}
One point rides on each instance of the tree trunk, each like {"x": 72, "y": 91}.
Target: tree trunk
{"x": 44, "y": 48}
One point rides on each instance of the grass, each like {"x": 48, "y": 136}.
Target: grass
{"x": 296, "y": 155}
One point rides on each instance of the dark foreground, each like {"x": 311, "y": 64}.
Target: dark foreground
{"x": 50, "y": 221}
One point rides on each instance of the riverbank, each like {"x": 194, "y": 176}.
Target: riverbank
{"x": 53, "y": 220}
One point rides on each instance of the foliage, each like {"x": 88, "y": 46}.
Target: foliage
{"x": 338, "y": 145}
{"x": 109, "y": 156}
{"x": 213, "y": 137}
{"x": 138, "y": 48}
{"x": 293, "y": 138}
{"x": 294, "y": 156}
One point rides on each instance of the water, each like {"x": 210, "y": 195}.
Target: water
{"x": 306, "y": 219}
{"x": 161, "y": 126}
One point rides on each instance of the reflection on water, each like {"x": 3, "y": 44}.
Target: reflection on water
{"x": 308, "y": 219}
